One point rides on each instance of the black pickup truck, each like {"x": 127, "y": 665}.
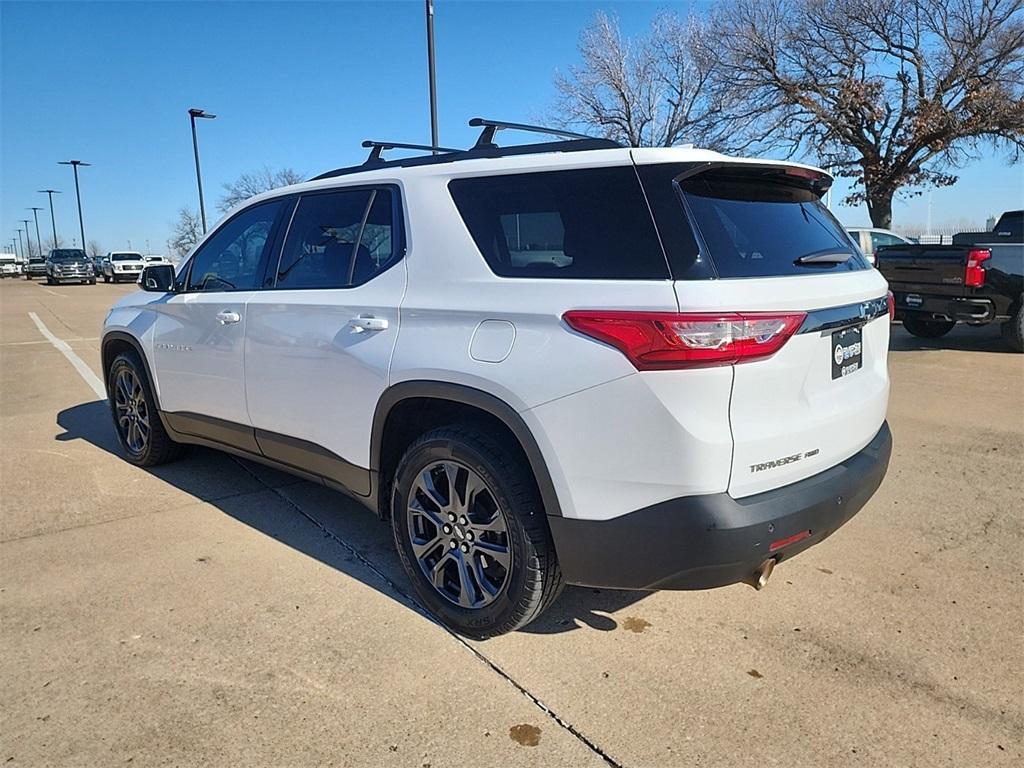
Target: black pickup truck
{"x": 978, "y": 279}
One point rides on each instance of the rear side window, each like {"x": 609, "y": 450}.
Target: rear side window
{"x": 760, "y": 225}
{"x": 338, "y": 239}
{"x": 580, "y": 224}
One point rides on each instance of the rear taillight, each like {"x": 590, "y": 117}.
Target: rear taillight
{"x": 663, "y": 340}
{"x": 974, "y": 273}
{"x": 890, "y": 301}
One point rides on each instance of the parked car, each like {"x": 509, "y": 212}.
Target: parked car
{"x": 870, "y": 239}
{"x": 122, "y": 265}
{"x": 35, "y": 267}
{"x": 979, "y": 280}
{"x": 97, "y": 265}
{"x": 524, "y": 358}
{"x": 153, "y": 258}
{"x": 65, "y": 265}
{"x": 9, "y": 266}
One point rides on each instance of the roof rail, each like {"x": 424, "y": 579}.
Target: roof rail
{"x": 491, "y": 127}
{"x": 377, "y": 147}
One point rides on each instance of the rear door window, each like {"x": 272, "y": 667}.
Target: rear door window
{"x": 579, "y": 224}
{"x": 339, "y": 239}
{"x": 761, "y": 224}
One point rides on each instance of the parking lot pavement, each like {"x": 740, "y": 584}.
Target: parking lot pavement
{"x": 213, "y": 611}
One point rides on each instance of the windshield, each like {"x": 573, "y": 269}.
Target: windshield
{"x": 764, "y": 226}
{"x": 67, "y": 254}
{"x": 126, "y": 257}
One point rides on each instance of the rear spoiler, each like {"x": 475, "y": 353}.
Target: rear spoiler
{"x": 817, "y": 181}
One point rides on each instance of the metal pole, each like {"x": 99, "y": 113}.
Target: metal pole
{"x": 53, "y": 221}
{"x": 432, "y": 74}
{"x": 28, "y": 237}
{"x": 78, "y": 197}
{"x": 39, "y": 240}
{"x": 21, "y": 243}
{"x": 199, "y": 176}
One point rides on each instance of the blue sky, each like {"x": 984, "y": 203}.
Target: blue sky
{"x": 293, "y": 84}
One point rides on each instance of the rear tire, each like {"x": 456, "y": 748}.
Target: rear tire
{"x": 1013, "y": 330}
{"x": 136, "y": 415}
{"x": 492, "y": 563}
{"x": 927, "y": 329}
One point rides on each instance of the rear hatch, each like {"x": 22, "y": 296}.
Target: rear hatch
{"x": 770, "y": 246}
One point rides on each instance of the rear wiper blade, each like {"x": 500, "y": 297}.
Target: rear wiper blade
{"x": 825, "y": 257}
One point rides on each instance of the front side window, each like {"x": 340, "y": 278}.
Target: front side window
{"x": 230, "y": 259}
{"x": 338, "y": 240}
{"x": 579, "y": 224}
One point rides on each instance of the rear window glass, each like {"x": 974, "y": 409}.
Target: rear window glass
{"x": 760, "y": 226}
{"x": 580, "y": 224}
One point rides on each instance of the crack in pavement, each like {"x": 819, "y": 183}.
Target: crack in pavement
{"x": 415, "y": 605}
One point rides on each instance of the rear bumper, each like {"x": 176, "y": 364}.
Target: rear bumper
{"x": 968, "y": 309}
{"x": 698, "y": 542}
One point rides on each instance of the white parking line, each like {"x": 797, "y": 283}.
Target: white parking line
{"x": 83, "y": 370}
{"x": 53, "y": 293}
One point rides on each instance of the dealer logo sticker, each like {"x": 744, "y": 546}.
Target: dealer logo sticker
{"x": 839, "y": 354}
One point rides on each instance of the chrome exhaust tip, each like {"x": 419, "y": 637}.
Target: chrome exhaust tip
{"x": 759, "y": 580}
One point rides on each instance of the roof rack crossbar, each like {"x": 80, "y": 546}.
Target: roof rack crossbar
{"x": 491, "y": 127}
{"x": 377, "y": 147}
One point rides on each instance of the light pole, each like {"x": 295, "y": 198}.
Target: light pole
{"x": 193, "y": 113}
{"x": 53, "y": 221}
{"x": 28, "y": 238}
{"x": 78, "y": 196}
{"x": 35, "y": 214}
{"x": 430, "y": 70}
{"x": 21, "y": 243}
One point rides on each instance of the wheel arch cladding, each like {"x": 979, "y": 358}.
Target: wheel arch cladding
{"x": 117, "y": 342}
{"x": 407, "y": 409}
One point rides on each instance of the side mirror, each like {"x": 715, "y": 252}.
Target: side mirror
{"x": 158, "y": 278}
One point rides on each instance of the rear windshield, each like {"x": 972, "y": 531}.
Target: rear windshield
{"x": 579, "y": 224}
{"x": 758, "y": 225}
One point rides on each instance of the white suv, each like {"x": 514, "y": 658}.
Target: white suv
{"x": 569, "y": 362}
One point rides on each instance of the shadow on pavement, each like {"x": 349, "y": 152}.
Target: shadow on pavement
{"x": 336, "y": 514}
{"x": 963, "y": 338}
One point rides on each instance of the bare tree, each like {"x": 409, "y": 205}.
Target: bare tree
{"x": 249, "y": 184}
{"x": 50, "y": 244}
{"x": 95, "y": 249}
{"x": 894, "y": 95}
{"x": 652, "y": 90}
{"x": 187, "y": 230}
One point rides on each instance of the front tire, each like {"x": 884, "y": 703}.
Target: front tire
{"x": 106, "y": 279}
{"x": 136, "y": 415}
{"x": 927, "y": 329}
{"x": 471, "y": 533}
{"x": 1013, "y": 329}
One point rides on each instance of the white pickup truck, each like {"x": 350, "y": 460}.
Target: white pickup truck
{"x": 122, "y": 265}
{"x": 9, "y": 265}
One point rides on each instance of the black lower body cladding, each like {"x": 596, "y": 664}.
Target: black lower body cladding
{"x": 699, "y": 542}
